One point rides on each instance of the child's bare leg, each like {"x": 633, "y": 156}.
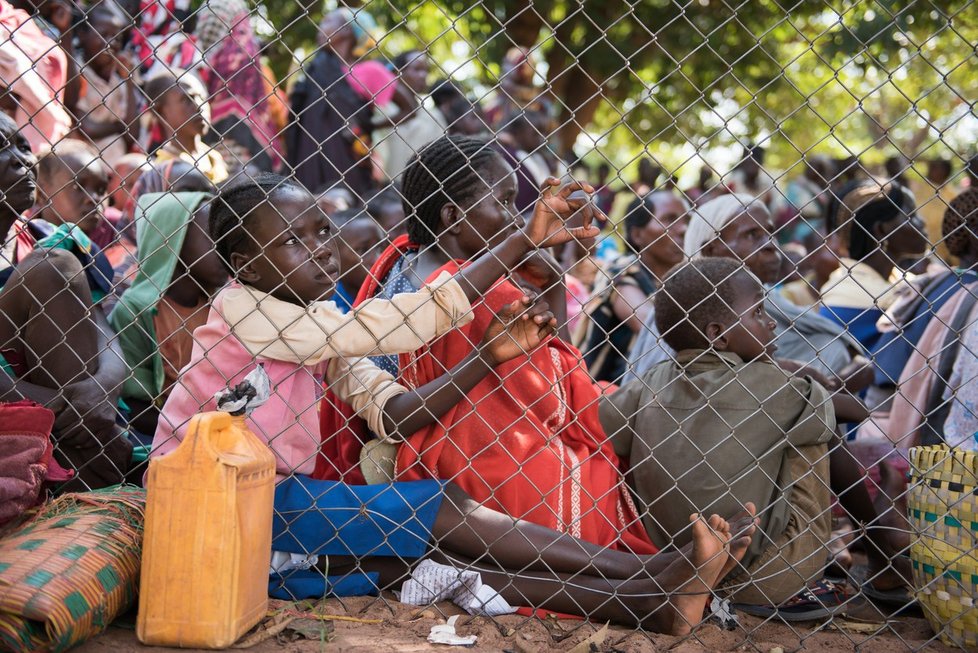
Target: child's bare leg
{"x": 891, "y": 506}
{"x": 887, "y": 569}
{"x": 673, "y": 602}
{"x": 466, "y": 527}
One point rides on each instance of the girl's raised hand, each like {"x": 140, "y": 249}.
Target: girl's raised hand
{"x": 516, "y": 330}
{"x": 547, "y": 226}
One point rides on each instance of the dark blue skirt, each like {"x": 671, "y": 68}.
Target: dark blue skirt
{"x": 333, "y": 518}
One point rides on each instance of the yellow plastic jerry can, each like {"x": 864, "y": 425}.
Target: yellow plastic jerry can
{"x": 208, "y": 537}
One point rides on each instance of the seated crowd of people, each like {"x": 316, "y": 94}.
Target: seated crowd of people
{"x": 612, "y": 418}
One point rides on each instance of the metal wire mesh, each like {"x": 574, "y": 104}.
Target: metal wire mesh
{"x": 768, "y": 295}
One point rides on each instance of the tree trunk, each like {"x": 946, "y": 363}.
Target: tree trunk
{"x": 523, "y": 22}
{"x": 560, "y": 60}
{"x": 579, "y": 102}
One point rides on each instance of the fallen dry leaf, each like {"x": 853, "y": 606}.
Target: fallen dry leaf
{"x": 597, "y": 639}
{"x": 856, "y": 626}
{"x": 267, "y": 629}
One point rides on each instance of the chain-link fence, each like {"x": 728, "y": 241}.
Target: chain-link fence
{"x": 592, "y": 267}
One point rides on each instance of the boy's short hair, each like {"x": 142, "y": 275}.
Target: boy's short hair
{"x": 694, "y": 295}
{"x": 51, "y": 161}
{"x": 156, "y": 87}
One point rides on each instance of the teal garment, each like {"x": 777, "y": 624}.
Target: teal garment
{"x": 67, "y": 237}
{"x": 161, "y": 221}
{"x": 70, "y": 237}
{"x": 7, "y": 368}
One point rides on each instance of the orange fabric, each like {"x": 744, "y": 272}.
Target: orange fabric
{"x": 526, "y": 441}
{"x": 278, "y": 102}
{"x": 175, "y": 326}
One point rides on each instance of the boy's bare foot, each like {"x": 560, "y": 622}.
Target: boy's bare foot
{"x": 690, "y": 580}
{"x": 742, "y": 529}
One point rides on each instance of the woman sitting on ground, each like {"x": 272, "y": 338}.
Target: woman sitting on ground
{"x": 880, "y": 228}
{"x": 54, "y": 348}
{"x": 526, "y": 441}
{"x": 654, "y": 229}
{"x": 926, "y": 356}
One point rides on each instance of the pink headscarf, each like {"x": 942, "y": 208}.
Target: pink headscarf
{"x": 34, "y": 68}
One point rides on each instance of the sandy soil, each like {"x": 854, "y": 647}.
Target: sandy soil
{"x": 390, "y": 626}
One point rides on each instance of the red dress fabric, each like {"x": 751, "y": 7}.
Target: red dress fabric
{"x": 526, "y": 441}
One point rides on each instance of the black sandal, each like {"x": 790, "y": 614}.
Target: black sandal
{"x": 820, "y": 600}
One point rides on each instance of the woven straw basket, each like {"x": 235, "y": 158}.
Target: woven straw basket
{"x": 69, "y": 571}
{"x": 944, "y": 514}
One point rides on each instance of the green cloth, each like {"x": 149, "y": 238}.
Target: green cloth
{"x": 7, "y": 369}
{"x": 161, "y": 227}
{"x": 67, "y": 236}
{"x": 71, "y": 238}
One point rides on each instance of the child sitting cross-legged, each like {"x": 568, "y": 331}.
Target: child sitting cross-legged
{"x": 279, "y": 248}
{"x": 724, "y": 425}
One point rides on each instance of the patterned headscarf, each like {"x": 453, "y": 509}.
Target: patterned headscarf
{"x": 238, "y": 90}
{"x": 960, "y": 228}
{"x": 218, "y": 19}
{"x": 156, "y": 18}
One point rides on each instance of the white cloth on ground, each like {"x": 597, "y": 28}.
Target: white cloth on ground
{"x": 431, "y": 582}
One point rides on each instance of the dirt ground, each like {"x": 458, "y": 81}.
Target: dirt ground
{"x": 370, "y": 624}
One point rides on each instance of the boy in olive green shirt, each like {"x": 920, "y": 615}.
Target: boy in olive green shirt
{"x": 723, "y": 425}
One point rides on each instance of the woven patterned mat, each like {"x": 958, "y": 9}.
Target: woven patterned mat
{"x": 66, "y": 573}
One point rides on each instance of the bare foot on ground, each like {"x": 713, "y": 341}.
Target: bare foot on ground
{"x": 690, "y": 580}
{"x": 742, "y": 529}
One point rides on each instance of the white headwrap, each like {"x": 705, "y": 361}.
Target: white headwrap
{"x": 707, "y": 221}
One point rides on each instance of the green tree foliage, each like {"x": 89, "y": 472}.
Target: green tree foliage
{"x": 864, "y": 77}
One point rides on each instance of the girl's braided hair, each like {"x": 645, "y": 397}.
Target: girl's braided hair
{"x": 235, "y": 206}
{"x": 448, "y": 170}
{"x": 960, "y": 227}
